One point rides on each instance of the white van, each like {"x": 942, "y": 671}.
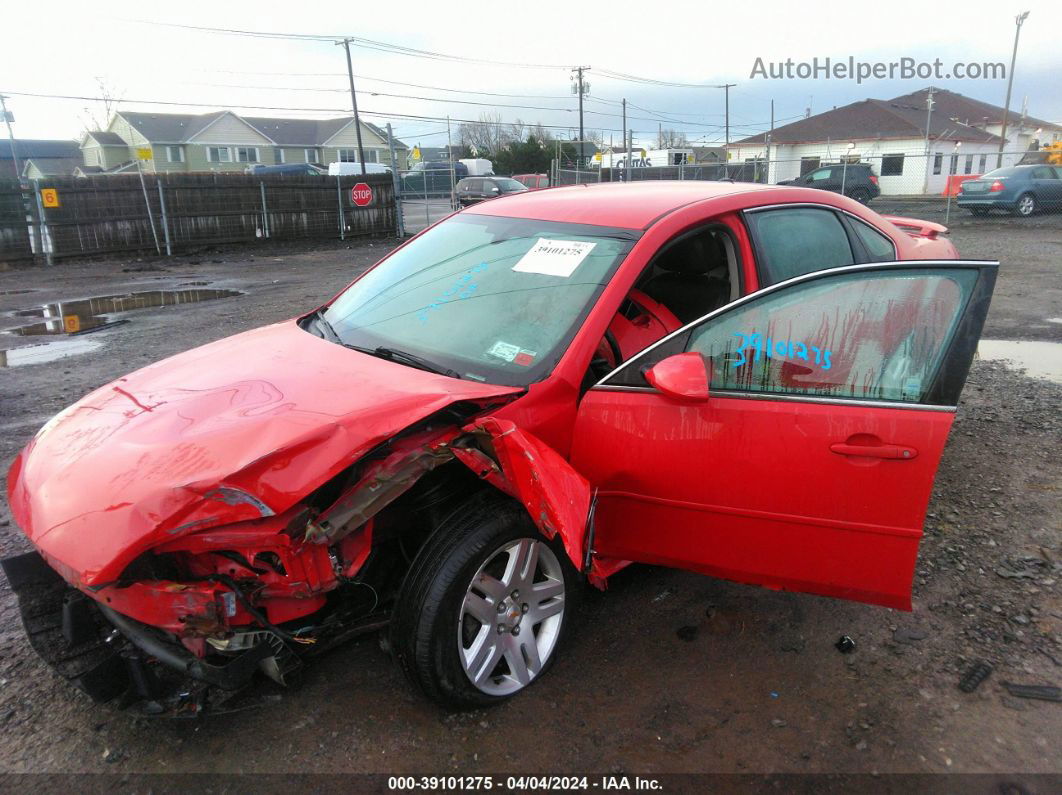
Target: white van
{"x": 354, "y": 169}
{"x": 478, "y": 166}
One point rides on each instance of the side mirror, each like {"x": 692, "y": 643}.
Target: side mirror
{"x": 493, "y": 190}
{"x": 682, "y": 377}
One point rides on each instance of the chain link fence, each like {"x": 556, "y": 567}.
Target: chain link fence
{"x": 68, "y": 216}
{"x": 949, "y": 181}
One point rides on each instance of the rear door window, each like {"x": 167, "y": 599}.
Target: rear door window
{"x": 879, "y": 247}
{"x": 793, "y": 241}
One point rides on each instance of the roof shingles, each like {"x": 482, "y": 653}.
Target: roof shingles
{"x": 180, "y": 127}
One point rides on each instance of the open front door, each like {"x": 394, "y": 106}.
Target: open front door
{"x": 810, "y": 466}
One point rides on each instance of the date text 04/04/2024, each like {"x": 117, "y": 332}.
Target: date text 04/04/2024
{"x": 522, "y": 783}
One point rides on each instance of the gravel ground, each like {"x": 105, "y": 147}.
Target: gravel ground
{"x": 669, "y": 671}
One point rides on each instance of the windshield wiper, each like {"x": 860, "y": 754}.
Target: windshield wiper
{"x": 412, "y": 359}
{"x": 404, "y": 357}
{"x": 392, "y": 354}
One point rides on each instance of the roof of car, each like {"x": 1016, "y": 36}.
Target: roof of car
{"x": 626, "y": 205}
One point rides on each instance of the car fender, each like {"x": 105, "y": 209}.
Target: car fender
{"x": 557, "y": 498}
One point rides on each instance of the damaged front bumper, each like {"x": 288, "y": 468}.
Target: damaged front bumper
{"x": 109, "y": 655}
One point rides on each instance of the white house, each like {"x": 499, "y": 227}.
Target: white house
{"x": 964, "y": 139}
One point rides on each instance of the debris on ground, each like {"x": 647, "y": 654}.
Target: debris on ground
{"x": 1041, "y": 692}
{"x": 974, "y": 676}
{"x": 845, "y": 645}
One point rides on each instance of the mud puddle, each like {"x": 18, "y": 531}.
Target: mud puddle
{"x": 91, "y": 314}
{"x": 1038, "y": 359}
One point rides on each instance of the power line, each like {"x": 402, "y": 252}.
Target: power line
{"x": 371, "y": 44}
{"x": 398, "y": 49}
{"x": 415, "y": 117}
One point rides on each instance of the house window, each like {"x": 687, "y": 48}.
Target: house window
{"x": 968, "y": 167}
{"x": 953, "y": 166}
{"x": 175, "y": 154}
{"x": 219, "y": 154}
{"x": 892, "y": 165}
{"x": 938, "y": 163}
{"x": 983, "y": 163}
{"x": 351, "y": 155}
{"x": 280, "y": 156}
{"x": 311, "y": 155}
{"x": 809, "y": 164}
{"x": 247, "y": 154}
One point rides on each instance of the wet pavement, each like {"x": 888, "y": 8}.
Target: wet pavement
{"x": 89, "y": 314}
{"x": 1038, "y": 359}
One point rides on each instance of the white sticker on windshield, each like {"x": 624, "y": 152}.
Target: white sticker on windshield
{"x": 503, "y": 350}
{"x": 554, "y": 257}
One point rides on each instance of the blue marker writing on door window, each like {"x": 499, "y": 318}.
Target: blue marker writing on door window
{"x": 779, "y": 349}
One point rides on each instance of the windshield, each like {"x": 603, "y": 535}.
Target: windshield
{"x": 494, "y": 299}
{"x": 510, "y": 185}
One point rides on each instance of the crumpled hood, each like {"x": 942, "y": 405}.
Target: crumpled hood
{"x": 235, "y": 430}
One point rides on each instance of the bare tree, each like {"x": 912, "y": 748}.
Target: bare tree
{"x": 487, "y": 135}
{"x": 91, "y": 117}
{"x": 671, "y": 139}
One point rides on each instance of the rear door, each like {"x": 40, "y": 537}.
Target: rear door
{"x": 810, "y": 466}
{"x": 1047, "y": 185}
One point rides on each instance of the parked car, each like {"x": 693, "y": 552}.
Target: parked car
{"x": 433, "y": 177}
{"x": 473, "y": 190}
{"x": 533, "y": 181}
{"x": 286, "y": 168}
{"x": 858, "y": 180}
{"x": 747, "y": 381}
{"x": 348, "y": 169}
{"x": 1021, "y": 190}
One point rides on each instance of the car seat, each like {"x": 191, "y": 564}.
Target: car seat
{"x": 694, "y": 278}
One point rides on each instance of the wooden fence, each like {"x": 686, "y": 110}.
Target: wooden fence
{"x": 105, "y": 214}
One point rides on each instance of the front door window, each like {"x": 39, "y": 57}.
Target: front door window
{"x": 865, "y": 336}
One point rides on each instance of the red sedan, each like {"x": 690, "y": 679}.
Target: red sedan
{"x": 747, "y": 381}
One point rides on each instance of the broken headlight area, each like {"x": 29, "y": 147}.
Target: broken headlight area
{"x": 189, "y": 624}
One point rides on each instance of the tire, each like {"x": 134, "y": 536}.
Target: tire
{"x": 861, "y": 195}
{"x": 465, "y": 569}
{"x": 1025, "y": 205}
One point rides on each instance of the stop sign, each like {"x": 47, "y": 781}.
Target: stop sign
{"x": 361, "y": 195}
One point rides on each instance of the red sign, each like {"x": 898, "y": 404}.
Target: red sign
{"x": 361, "y": 195}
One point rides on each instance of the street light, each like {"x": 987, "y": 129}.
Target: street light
{"x": 1018, "y": 20}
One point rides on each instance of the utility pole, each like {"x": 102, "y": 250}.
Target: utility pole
{"x": 627, "y": 155}
{"x": 8, "y": 118}
{"x": 726, "y": 92}
{"x": 581, "y": 90}
{"x": 354, "y": 103}
{"x": 1018, "y": 20}
{"x": 929, "y": 117}
{"x": 770, "y": 133}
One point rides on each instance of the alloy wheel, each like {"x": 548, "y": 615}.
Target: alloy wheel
{"x": 511, "y": 617}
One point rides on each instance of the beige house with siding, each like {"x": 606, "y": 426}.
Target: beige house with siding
{"x": 226, "y": 142}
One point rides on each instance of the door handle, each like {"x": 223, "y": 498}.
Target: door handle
{"x": 898, "y": 452}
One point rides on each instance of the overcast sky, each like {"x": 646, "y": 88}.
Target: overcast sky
{"x": 71, "y": 48}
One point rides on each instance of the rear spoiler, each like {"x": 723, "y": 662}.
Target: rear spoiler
{"x": 916, "y": 228}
